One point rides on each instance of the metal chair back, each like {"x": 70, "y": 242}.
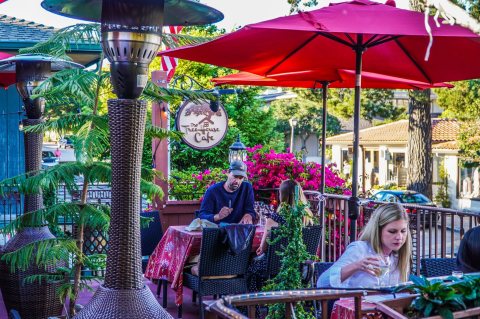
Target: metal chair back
{"x": 433, "y": 267}
{"x": 311, "y": 238}
{"x": 216, "y": 260}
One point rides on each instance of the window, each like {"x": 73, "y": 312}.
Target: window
{"x": 469, "y": 183}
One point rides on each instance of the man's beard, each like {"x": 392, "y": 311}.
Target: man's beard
{"x": 233, "y": 187}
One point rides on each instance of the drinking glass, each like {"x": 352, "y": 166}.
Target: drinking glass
{"x": 382, "y": 271}
{"x": 457, "y": 273}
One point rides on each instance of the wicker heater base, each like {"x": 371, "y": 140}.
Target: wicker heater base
{"x": 123, "y": 304}
{"x": 123, "y": 294}
{"x": 35, "y": 300}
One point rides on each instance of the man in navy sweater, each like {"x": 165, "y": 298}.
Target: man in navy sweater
{"x": 230, "y": 201}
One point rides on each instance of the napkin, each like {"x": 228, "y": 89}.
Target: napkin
{"x": 197, "y": 224}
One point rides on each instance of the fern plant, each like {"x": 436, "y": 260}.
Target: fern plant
{"x": 76, "y": 104}
{"x": 289, "y": 276}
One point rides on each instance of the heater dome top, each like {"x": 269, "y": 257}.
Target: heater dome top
{"x": 57, "y": 64}
{"x": 177, "y": 12}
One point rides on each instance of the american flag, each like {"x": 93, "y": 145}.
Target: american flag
{"x": 169, "y": 64}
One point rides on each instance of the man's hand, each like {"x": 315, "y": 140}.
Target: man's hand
{"x": 247, "y": 219}
{"x": 224, "y": 212}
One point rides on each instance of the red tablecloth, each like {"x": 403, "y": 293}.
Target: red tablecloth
{"x": 172, "y": 252}
{"x": 345, "y": 309}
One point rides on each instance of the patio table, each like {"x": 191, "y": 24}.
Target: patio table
{"x": 172, "y": 253}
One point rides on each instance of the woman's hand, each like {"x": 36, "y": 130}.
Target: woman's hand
{"x": 368, "y": 264}
{"x": 259, "y": 251}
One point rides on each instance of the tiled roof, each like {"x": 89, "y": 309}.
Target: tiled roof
{"x": 452, "y": 145}
{"x": 443, "y": 130}
{"x": 19, "y": 30}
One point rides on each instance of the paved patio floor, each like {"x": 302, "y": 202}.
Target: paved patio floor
{"x": 190, "y": 311}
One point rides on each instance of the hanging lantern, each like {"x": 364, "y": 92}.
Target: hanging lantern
{"x": 238, "y": 151}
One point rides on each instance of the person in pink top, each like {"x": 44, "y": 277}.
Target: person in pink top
{"x": 57, "y": 153}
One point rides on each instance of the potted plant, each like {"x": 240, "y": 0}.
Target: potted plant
{"x": 436, "y": 299}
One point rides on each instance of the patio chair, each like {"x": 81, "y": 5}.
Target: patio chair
{"x": 219, "y": 272}
{"x": 311, "y": 238}
{"x": 433, "y": 267}
{"x": 150, "y": 236}
{"x": 318, "y": 269}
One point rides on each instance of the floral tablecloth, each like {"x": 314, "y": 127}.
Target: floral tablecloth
{"x": 172, "y": 252}
{"x": 345, "y": 309}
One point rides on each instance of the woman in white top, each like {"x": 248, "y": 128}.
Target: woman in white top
{"x": 384, "y": 249}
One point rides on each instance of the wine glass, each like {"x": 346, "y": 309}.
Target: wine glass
{"x": 382, "y": 271}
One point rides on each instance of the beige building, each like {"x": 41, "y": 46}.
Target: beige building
{"x": 383, "y": 159}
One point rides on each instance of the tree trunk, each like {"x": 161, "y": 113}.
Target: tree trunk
{"x": 419, "y": 177}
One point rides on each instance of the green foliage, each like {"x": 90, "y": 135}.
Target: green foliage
{"x": 469, "y": 142}
{"x": 308, "y": 111}
{"x": 435, "y": 297}
{"x": 469, "y": 288}
{"x": 295, "y": 5}
{"x": 188, "y": 185}
{"x": 442, "y": 194}
{"x": 289, "y": 276}
{"x": 461, "y": 102}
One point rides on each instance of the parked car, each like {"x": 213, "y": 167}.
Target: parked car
{"x": 400, "y": 196}
{"x": 406, "y": 197}
{"x": 49, "y": 159}
{"x": 66, "y": 141}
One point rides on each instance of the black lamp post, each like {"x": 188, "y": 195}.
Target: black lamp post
{"x": 131, "y": 37}
{"x": 238, "y": 151}
{"x": 31, "y": 300}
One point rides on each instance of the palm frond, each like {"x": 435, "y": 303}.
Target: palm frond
{"x": 161, "y": 133}
{"x": 67, "y": 123}
{"x": 74, "y": 84}
{"x": 95, "y": 216}
{"x": 98, "y": 172}
{"x": 148, "y": 174}
{"x": 158, "y": 94}
{"x": 177, "y": 40}
{"x": 43, "y": 252}
{"x": 44, "y": 278}
{"x": 52, "y": 177}
{"x": 30, "y": 219}
{"x": 67, "y": 38}
{"x": 91, "y": 144}
{"x": 150, "y": 190}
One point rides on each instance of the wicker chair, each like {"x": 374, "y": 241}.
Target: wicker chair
{"x": 433, "y": 267}
{"x": 215, "y": 260}
{"x": 311, "y": 238}
{"x": 150, "y": 236}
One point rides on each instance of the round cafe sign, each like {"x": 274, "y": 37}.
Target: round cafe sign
{"x": 202, "y": 128}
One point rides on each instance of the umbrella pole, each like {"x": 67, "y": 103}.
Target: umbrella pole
{"x": 353, "y": 206}
{"x": 322, "y": 181}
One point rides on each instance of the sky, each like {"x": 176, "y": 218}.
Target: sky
{"x": 237, "y": 12}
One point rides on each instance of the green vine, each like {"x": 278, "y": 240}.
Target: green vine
{"x": 295, "y": 253}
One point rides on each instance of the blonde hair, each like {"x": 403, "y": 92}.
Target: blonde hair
{"x": 287, "y": 196}
{"x": 372, "y": 234}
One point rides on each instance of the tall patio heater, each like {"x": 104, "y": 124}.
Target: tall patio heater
{"x": 36, "y": 300}
{"x": 131, "y": 36}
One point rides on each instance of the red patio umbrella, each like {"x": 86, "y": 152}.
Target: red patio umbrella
{"x": 6, "y": 78}
{"x": 346, "y": 80}
{"x": 351, "y": 35}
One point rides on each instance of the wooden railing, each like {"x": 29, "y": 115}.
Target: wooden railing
{"x": 227, "y": 307}
{"x": 436, "y": 232}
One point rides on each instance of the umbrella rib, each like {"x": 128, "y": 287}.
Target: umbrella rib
{"x": 413, "y": 61}
{"x": 337, "y": 39}
{"x": 384, "y": 39}
{"x": 290, "y": 54}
